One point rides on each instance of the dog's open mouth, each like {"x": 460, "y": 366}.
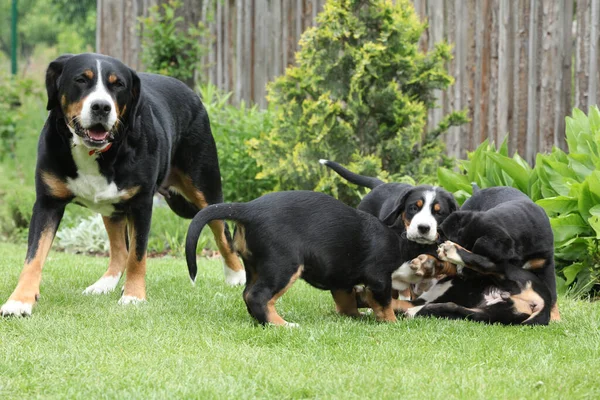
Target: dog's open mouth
{"x": 96, "y": 135}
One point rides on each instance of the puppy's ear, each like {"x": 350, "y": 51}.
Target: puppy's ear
{"x": 452, "y": 203}
{"x": 452, "y": 226}
{"x": 399, "y": 205}
{"x": 134, "y": 103}
{"x": 53, "y": 74}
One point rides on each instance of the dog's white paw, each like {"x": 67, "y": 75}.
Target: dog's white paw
{"x": 448, "y": 251}
{"x": 292, "y": 325}
{"x": 16, "y": 308}
{"x": 125, "y": 300}
{"x": 234, "y": 278}
{"x": 103, "y": 285}
{"x": 411, "y": 312}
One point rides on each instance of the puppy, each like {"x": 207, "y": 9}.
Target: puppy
{"x": 289, "y": 235}
{"x": 505, "y": 242}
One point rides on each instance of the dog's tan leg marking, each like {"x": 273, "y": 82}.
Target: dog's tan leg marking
{"x": 382, "y": 313}
{"x": 345, "y": 303}
{"x": 536, "y": 263}
{"x": 135, "y": 278}
{"x": 28, "y": 287}
{"x": 183, "y": 184}
{"x": 272, "y": 316}
{"x": 554, "y": 313}
{"x": 56, "y": 186}
{"x": 401, "y": 305}
{"x": 117, "y": 260}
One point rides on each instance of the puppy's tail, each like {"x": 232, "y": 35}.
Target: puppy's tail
{"x": 360, "y": 180}
{"x": 475, "y": 187}
{"x": 230, "y": 211}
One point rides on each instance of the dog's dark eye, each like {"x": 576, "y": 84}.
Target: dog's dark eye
{"x": 80, "y": 79}
{"x": 119, "y": 84}
{"x": 413, "y": 208}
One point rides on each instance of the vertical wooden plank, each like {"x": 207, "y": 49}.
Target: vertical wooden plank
{"x": 436, "y": 29}
{"x": 299, "y": 13}
{"x": 532, "y": 86}
{"x": 284, "y": 34}
{"x": 564, "y": 83}
{"x": 478, "y": 67}
{"x": 457, "y": 138}
{"x": 99, "y": 25}
{"x": 219, "y": 43}
{"x": 421, "y": 10}
{"x": 518, "y": 136}
{"x": 594, "y": 52}
{"x": 239, "y": 54}
{"x": 469, "y": 82}
{"x": 248, "y": 65}
{"x": 453, "y": 133}
{"x": 550, "y": 62}
{"x": 504, "y": 69}
{"x": 276, "y": 36}
{"x": 227, "y": 65}
{"x": 492, "y": 76}
{"x": 582, "y": 57}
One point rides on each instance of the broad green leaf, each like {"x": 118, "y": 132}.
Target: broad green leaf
{"x": 558, "y": 205}
{"x": 571, "y": 272}
{"x": 452, "y": 181}
{"x": 566, "y": 227}
{"x": 582, "y": 165}
{"x": 503, "y": 150}
{"x": 572, "y": 250}
{"x": 594, "y": 222}
{"x": 594, "y": 117}
{"x": 513, "y": 169}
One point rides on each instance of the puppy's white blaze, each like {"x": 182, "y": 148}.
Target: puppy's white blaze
{"x": 436, "y": 291}
{"x": 424, "y": 217}
{"x": 411, "y": 312}
{"x": 126, "y": 300}
{"x": 16, "y": 308}
{"x": 106, "y": 284}
{"x": 323, "y": 161}
{"x": 404, "y": 276}
{"x": 234, "y": 278}
{"x": 99, "y": 93}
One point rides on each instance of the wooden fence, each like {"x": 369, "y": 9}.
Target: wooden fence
{"x": 519, "y": 65}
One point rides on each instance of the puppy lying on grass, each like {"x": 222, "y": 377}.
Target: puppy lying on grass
{"x": 289, "y": 235}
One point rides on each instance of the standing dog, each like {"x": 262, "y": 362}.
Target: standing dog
{"x": 286, "y": 235}
{"x": 112, "y": 139}
{"x": 505, "y": 242}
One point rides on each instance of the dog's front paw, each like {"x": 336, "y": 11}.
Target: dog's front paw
{"x": 104, "y": 285}
{"x": 126, "y": 300}
{"x": 16, "y": 309}
{"x": 423, "y": 265}
{"x": 234, "y": 278}
{"x": 448, "y": 251}
{"x": 412, "y": 312}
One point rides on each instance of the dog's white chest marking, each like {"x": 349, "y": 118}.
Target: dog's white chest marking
{"x": 90, "y": 188}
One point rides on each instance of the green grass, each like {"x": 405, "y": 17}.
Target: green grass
{"x": 199, "y": 342}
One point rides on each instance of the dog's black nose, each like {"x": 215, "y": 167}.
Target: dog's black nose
{"x": 101, "y": 108}
{"x": 423, "y": 228}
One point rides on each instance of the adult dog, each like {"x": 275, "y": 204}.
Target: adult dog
{"x": 413, "y": 212}
{"x": 114, "y": 137}
{"x": 286, "y": 235}
{"x": 505, "y": 242}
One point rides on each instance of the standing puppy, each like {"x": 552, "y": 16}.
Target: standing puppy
{"x": 112, "y": 139}
{"x": 289, "y": 235}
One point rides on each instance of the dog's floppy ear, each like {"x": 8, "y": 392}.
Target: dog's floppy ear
{"x": 399, "y": 205}
{"x": 52, "y": 76}
{"x": 134, "y": 103}
{"x": 452, "y": 203}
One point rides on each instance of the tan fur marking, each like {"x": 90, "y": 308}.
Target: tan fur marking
{"x": 419, "y": 203}
{"x": 345, "y": 303}
{"x": 406, "y": 221}
{"x": 406, "y": 293}
{"x": 437, "y": 207}
{"x": 130, "y": 192}
{"x": 536, "y": 263}
{"x": 528, "y": 302}
{"x": 118, "y": 246}
{"x": 272, "y": 316}
{"x": 58, "y": 188}
{"x": 135, "y": 278}
{"x": 381, "y": 313}
{"x": 445, "y": 268}
{"x": 239, "y": 241}
{"x": 184, "y": 185}
{"x": 554, "y": 313}
{"x": 73, "y": 110}
{"x": 112, "y": 78}
{"x": 89, "y": 73}
{"x": 401, "y": 305}
{"x": 28, "y": 287}
{"x": 63, "y": 100}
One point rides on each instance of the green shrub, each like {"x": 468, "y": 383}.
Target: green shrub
{"x": 359, "y": 95}
{"x": 232, "y": 128}
{"x": 168, "y": 49}
{"x": 566, "y": 185}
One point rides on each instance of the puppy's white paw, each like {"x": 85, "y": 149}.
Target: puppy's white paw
{"x": 16, "y": 309}
{"x": 125, "y": 300}
{"x": 103, "y": 285}
{"x": 234, "y": 278}
{"x": 411, "y": 312}
{"x": 448, "y": 251}
{"x": 292, "y": 325}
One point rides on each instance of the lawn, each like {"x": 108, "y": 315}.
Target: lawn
{"x": 199, "y": 342}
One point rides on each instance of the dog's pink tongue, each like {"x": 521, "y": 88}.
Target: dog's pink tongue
{"x": 97, "y": 134}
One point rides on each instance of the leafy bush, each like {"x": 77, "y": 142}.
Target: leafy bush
{"x": 359, "y": 95}
{"x": 167, "y": 49}
{"x": 566, "y": 185}
{"x": 232, "y": 128}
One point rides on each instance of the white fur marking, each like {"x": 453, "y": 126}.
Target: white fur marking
{"x": 16, "y": 308}
{"x": 125, "y": 300}
{"x": 404, "y": 276}
{"x": 323, "y": 161}
{"x": 436, "y": 292}
{"x": 292, "y": 325}
{"x": 424, "y": 217}
{"x": 90, "y": 187}
{"x": 447, "y": 251}
{"x": 99, "y": 93}
{"x": 411, "y": 312}
{"x": 234, "y": 278}
{"x": 495, "y": 296}
{"x": 106, "y": 284}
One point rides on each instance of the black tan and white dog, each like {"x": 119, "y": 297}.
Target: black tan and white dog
{"x": 112, "y": 139}
{"x": 289, "y": 235}
{"x": 505, "y": 242}
{"x": 413, "y": 212}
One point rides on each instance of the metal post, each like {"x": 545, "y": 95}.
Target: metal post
{"x": 13, "y": 44}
